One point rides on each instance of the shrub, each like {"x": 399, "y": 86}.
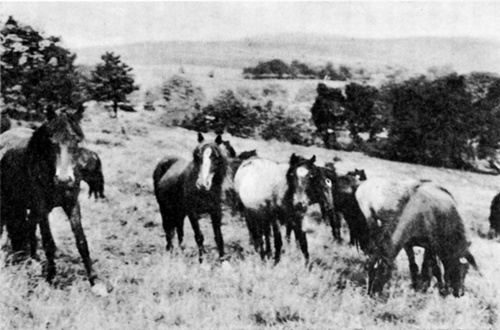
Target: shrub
{"x": 286, "y": 126}
{"x": 182, "y": 98}
{"x": 225, "y": 113}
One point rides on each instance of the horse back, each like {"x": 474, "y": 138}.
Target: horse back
{"x": 14, "y": 177}
{"x": 382, "y": 199}
{"x": 260, "y": 182}
{"x": 167, "y": 176}
{"x": 431, "y": 219}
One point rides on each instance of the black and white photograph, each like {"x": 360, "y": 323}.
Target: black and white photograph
{"x": 250, "y": 165}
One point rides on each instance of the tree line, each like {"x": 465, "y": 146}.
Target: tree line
{"x": 437, "y": 122}
{"x": 278, "y": 69}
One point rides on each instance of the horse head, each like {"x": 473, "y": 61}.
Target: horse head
{"x": 210, "y": 163}
{"x": 58, "y": 139}
{"x": 307, "y": 183}
{"x": 226, "y": 147}
{"x": 456, "y": 270}
{"x": 360, "y": 175}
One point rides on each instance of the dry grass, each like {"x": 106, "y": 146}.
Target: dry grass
{"x": 154, "y": 289}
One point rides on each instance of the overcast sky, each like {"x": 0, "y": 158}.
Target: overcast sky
{"x": 83, "y": 24}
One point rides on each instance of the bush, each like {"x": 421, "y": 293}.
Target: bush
{"x": 182, "y": 98}
{"x": 286, "y": 127}
{"x": 226, "y": 113}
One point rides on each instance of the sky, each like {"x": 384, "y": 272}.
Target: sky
{"x": 82, "y": 24}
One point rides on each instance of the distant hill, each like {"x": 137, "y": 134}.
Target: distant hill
{"x": 419, "y": 53}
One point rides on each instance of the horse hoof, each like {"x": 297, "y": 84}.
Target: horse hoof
{"x": 102, "y": 289}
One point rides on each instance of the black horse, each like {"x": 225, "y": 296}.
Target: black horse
{"x": 192, "y": 188}
{"x": 91, "y": 168}
{"x": 39, "y": 177}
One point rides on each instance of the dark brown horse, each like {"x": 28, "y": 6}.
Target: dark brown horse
{"x": 415, "y": 213}
{"x": 192, "y": 188}
{"x": 39, "y": 177}
{"x": 91, "y": 168}
{"x": 271, "y": 192}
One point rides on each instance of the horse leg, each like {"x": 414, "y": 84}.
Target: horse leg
{"x": 278, "y": 243}
{"x": 32, "y": 223}
{"x": 180, "y": 230}
{"x": 198, "y": 236}
{"x": 289, "y": 229}
{"x": 432, "y": 269}
{"x": 267, "y": 237}
{"x": 413, "y": 266}
{"x": 169, "y": 224}
{"x": 334, "y": 221}
{"x": 301, "y": 236}
{"x": 72, "y": 210}
{"x": 15, "y": 220}
{"x": 48, "y": 243}
{"x": 216, "y": 216}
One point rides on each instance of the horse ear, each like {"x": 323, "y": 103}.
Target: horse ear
{"x": 218, "y": 139}
{"x": 312, "y": 160}
{"x": 51, "y": 114}
{"x": 293, "y": 159}
{"x": 200, "y": 138}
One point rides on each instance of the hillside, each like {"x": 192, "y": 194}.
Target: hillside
{"x": 158, "y": 290}
{"x": 416, "y": 54}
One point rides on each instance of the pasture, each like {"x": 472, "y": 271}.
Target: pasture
{"x": 154, "y": 289}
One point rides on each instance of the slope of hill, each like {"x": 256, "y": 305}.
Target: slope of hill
{"x": 157, "y": 290}
{"x": 420, "y": 53}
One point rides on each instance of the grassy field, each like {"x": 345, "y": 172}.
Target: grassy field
{"x": 154, "y": 289}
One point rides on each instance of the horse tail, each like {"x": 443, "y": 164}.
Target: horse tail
{"x": 162, "y": 168}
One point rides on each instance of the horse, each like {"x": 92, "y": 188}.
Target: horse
{"x": 405, "y": 214}
{"x": 190, "y": 188}
{"x": 91, "y": 168}
{"x": 40, "y": 177}
{"x": 495, "y": 216}
{"x": 328, "y": 212}
{"x": 271, "y": 192}
{"x": 346, "y": 203}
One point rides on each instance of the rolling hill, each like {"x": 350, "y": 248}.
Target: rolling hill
{"x": 416, "y": 54}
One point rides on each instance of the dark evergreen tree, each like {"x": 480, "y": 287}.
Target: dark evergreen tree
{"x": 112, "y": 81}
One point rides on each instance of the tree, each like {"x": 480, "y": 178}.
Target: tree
{"x": 361, "y": 114}
{"x": 327, "y": 113}
{"x": 36, "y": 71}
{"x": 432, "y": 121}
{"x": 112, "y": 81}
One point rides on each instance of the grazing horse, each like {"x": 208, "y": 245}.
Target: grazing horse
{"x": 270, "y": 192}
{"x": 411, "y": 213}
{"x": 39, "y": 177}
{"x": 495, "y": 216}
{"x": 191, "y": 188}
{"x": 91, "y": 168}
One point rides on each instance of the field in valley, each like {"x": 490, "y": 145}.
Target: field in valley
{"x": 154, "y": 289}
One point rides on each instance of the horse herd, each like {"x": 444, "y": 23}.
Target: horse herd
{"x": 383, "y": 216}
